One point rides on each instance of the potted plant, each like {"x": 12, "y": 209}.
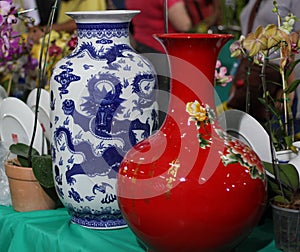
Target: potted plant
{"x": 284, "y": 193}
{"x": 31, "y": 186}
{"x": 283, "y": 178}
{"x": 258, "y": 47}
{"x": 37, "y": 168}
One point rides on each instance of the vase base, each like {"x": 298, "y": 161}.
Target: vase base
{"x": 99, "y": 224}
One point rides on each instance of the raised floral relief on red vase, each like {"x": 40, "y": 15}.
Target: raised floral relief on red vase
{"x": 191, "y": 186}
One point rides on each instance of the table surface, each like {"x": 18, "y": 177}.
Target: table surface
{"x": 51, "y": 230}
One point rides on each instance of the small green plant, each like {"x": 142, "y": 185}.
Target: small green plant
{"x": 284, "y": 187}
{"x": 41, "y": 164}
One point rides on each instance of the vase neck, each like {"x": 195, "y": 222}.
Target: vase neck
{"x": 103, "y": 27}
{"x": 103, "y": 33}
{"x": 190, "y": 82}
{"x": 192, "y": 60}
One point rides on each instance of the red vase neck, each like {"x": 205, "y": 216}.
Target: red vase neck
{"x": 192, "y": 60}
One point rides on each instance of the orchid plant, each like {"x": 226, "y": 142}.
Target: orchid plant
{"x": 16, "y": 54}
{"x": 271, "y": 44}
{"x": 19, "y": 57}
{"x": 280, "y": 44}
{"x": 60, "y": 45}
{"x": 15, "y": 58}
{"x": 221, "y": 76}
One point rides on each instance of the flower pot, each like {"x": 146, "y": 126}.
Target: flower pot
{"x": 26, "y": 192}
{"x": 295, "y": 159}
{"x": 284, "y": 156}
{"x": 289, "y": 157}
{"x": 286, "y": 224}
{"x": 191, "y": 186}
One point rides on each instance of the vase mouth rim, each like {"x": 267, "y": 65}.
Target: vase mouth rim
{"x": 103, "y": 16}
{"x": 279, "y": 152}
{"x": 192, "y": 35}
{"x": 102, "y": 12}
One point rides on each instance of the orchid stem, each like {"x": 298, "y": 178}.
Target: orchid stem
{"x": 284, "y": 85}
{"x": 41, "y": 74}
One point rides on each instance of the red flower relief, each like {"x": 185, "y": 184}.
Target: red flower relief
{"x": 249, "y": 158}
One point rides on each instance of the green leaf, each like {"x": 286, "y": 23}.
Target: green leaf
{"x": 292, "y": 87}
{"x": 289, "y": 141}
{"x": 42, "y": 169}
{"x": 291, "y": 67}
{"x": 280, "y": 199}
{"x": 268, "y": 106}
{"x": 21, "y": 150}
{"x": 287, "y": 175}
{"x": 276, "y": 190}
{"x": 23, "y": 161}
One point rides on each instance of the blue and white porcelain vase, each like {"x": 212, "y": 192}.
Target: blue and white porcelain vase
{"x": 103, "y": 101}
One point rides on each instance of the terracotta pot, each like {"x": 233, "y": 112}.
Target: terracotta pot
{"x": 26, "y": 192}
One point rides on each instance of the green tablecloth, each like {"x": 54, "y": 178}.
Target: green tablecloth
{"x": 51, "y": 230}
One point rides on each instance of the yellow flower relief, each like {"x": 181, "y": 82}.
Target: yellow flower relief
{"x": 196, "y": 111}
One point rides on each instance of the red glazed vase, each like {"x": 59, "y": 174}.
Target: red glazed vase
{"x": 191, "y": 186}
